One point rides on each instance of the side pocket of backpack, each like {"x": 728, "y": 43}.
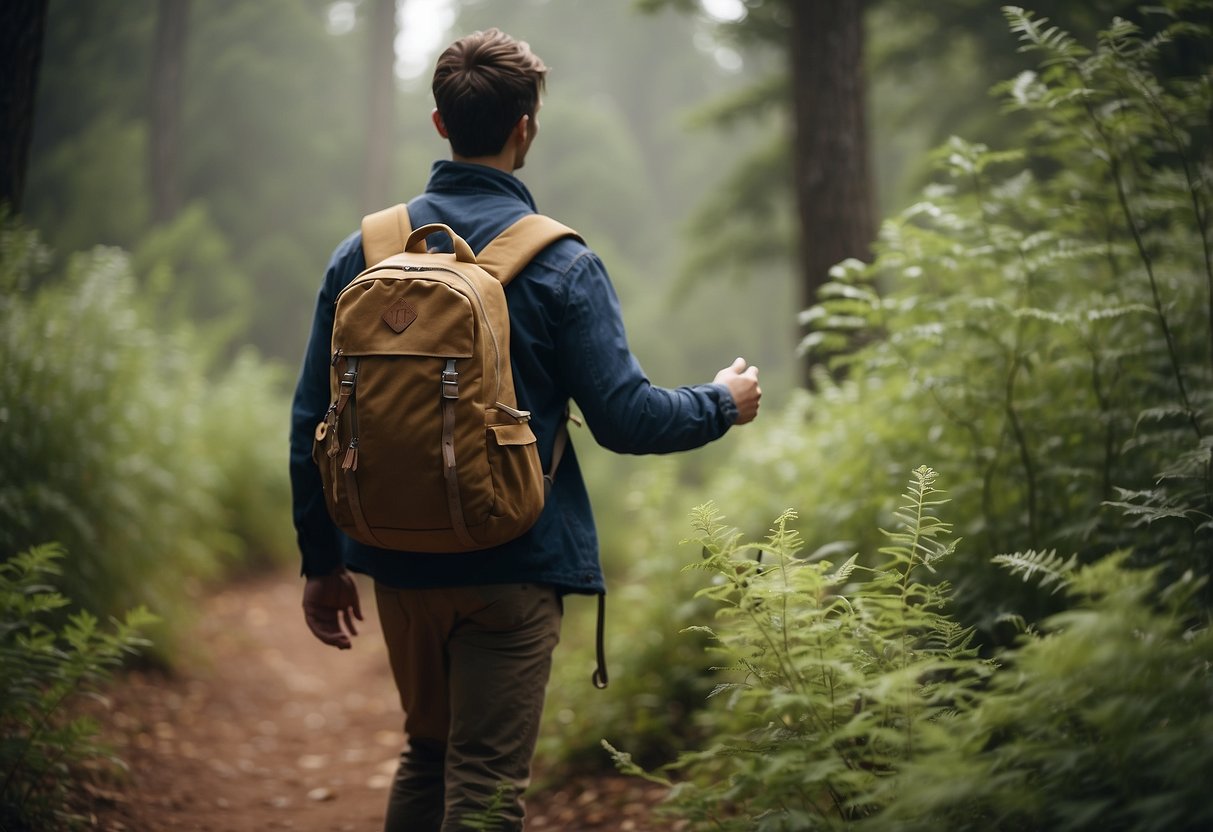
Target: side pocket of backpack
{"x": 517, "y": 477}
{"x": 325, "y": 447}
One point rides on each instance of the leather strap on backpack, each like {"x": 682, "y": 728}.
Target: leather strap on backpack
{"x": 450, "y": 394}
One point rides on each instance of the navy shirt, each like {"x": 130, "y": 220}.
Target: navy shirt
{"x": 567, "y": 342}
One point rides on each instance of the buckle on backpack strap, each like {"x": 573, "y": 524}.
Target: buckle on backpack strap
{"x": 450, "y": 381}
{"x": 350, "y": 377}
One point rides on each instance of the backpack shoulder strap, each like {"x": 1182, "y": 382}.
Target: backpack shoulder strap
{"x": 513, "y": 249}
{"x": 385, "y": 232}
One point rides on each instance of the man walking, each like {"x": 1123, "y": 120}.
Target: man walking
{"x": 470, "y": 636}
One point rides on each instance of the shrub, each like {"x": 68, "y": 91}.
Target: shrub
{"x": 44, "y": 668}
{"x": 118, "y": 441}
{"x": 1099, "y": 720}
{"x": 832, "y": 682}
{"x": 861, "y": 704}
{"x": 1039, "y": 325}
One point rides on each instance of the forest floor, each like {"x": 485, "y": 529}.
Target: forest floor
{"x": 266, "y": 728}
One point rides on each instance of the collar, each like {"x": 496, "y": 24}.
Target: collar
{"x": 461, "y": 177}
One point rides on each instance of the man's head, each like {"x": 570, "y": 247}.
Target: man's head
{"x": 483, "y": 85}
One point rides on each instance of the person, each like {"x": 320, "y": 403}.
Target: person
{"x": 470, "y": 636}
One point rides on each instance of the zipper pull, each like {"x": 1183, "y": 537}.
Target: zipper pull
{"x": 350, "y": 463}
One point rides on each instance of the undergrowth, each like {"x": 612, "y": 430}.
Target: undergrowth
{"x": 130, "y": 437}
{"x": 46, "y": 667}
{"x": 851, "y": 698}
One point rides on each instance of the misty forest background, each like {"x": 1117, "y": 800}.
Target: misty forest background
{"x": 968, "y": 246}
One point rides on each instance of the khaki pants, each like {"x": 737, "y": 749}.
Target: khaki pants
{"x": 472, "y": 666}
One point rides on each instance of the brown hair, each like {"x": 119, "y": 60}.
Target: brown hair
{"x": 483, "y": 84}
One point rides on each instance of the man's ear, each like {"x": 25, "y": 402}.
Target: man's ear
{"x": 436, "y": 117}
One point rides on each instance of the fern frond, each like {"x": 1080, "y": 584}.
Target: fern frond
{"x": 1036, "y": 35}
{"x": 626, "y": 765}
{"x": 843, "y": 572}
{"x": 1049, "y": 566}
{"x": 1014, "y": 619}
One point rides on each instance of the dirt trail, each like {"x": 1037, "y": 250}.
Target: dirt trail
{"x": 269, "y": 729}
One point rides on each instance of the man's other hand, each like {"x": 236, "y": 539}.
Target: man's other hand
{"x": 742, "y": 381}
{"x": 329, "y": 600}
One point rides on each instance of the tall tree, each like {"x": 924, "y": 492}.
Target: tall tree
{"x": 22, "y": 25}
{"x": 168, "y": 61}
{"x": 381, "y": 105}
{"x": 833, "y": 187}
{"x": 821, "y": 88}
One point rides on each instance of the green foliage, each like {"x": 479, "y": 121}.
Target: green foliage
{"x": 832, "y": 682}
{"x": 657, "y": 684}
{"x": 489, "y": 818}
{"x": 852, "y": 699}
{"x": 1050, "y": 311}
{"x": 1038, "y": 322}
{"x": 44, "y": 668}
{"x": 186, "y": 265}
{"x": 268, "y": 153}
{"x": 1101, "y": 721}
{"x": 117, "y": 441}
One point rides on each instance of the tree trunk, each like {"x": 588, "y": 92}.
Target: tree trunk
{"x": 168, "y": 61}
{"x": 22, "y": 27}
{"x": 381, "y": 106}
{"x": 830, "y": 146}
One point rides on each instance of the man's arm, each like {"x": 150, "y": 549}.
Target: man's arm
{"x": 330, "y": 596}
{"x": 623, "y": 409}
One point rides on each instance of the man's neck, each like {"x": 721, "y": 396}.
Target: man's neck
{"x": 502, "y": 161}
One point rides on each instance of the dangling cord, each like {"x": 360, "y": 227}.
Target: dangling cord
{"x": 600, "y": 672}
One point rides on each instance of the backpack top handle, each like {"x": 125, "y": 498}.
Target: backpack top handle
{"x": 463, "y": 252}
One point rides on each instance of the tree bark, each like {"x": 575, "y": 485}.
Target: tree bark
{"x": 22, "y": 30}
{"x": 381, "y": 106}
{"x": 830, "y": 146}
{"x": 168, "y": 62}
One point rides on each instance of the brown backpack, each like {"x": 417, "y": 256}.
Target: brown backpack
{"x": 424, "y": 448}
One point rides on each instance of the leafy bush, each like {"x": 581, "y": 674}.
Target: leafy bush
{"x": 116, "y": 441}
{"x": 43, "y": 669}
{"x": 832, "y": 682}
{"x": 1100, "y": 720}
{"x": 852, "y": 703}
{"x": 1039, "y": 325}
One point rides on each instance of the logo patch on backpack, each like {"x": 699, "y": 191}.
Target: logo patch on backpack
{"x": 399, "y": 315}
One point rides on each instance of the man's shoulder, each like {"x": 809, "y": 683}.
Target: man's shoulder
{"x": 566, "y": 254}
{"x": 348, "y": 254}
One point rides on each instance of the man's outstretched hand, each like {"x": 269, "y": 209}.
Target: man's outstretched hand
{"x": 742, "y": 381}
{"x": 328, "y": 601}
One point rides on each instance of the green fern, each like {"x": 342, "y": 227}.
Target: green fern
{"x": 1049, "y": 568}
{"x": 835, "y": 670}
{"x": 45, "y": 669}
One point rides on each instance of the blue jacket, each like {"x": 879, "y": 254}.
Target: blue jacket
{"x": 566, "y": 341}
